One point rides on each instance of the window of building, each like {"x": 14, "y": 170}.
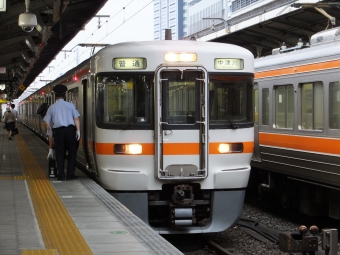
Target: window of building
{"x": 265, "y": 106}
{"x": 239, "y": 4}
{"x": 312, "y": 106}
{"x": 284, "y": 106}
{"x": 334, "y": 105}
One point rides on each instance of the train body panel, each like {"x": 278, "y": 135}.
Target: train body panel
{"x": 167, "y": 127}
{"x": 298, "y": 124}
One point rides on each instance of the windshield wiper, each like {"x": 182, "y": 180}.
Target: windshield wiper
{"x": 133, "y": 116}
{"x": 233, "y": 124}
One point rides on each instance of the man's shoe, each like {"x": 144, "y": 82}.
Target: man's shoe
{"x": 9, "y": 138}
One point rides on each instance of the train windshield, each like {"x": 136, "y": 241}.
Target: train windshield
{"x": 230, "y": 101}
{"x": 124, "y": 100}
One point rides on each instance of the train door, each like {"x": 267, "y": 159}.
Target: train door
{"x": 181, "y": 124}
{"x": 256, "y": 154}
{"x": 88, "y": 140}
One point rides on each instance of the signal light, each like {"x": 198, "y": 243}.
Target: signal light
{"x": 42, "y": 93}
{"x": 75, "y": 78}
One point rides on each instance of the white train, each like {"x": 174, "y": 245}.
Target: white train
{"x": 167, "y": 126}
{"x": 297, "y": 125}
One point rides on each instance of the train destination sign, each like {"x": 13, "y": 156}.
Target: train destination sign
{"x": 229, "y": 64}
{"x": 129, "y": 63}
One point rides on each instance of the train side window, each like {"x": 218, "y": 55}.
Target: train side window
{"x": 73, "y": 97}
{"x": 256, "y": 107}
{"x": 334, "y": 105}
{"x": 312, "y": 106}
{"x": 265, "y": 106}
{"x": 284, "y": 106}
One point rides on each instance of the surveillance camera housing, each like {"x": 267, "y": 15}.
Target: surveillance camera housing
{"x": 27, "y": 21}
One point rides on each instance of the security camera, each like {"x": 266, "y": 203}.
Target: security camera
{"x": 27, "y": 21}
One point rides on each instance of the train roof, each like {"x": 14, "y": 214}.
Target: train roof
{"x": 323, "y": 46}
{"x": 164, "y": 45}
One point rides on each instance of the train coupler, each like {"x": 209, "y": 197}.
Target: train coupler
{"x": 183, "y": 216}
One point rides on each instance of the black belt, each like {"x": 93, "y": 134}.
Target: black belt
{"x": 64, "y": 127}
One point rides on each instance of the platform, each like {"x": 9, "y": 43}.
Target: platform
{"x": 43, "y": 216}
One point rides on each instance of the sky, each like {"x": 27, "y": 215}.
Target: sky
{"x": 130, "y": 20}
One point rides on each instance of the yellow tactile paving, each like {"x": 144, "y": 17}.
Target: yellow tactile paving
{"x": 57, "y": 227}
{"x": 39, "y": 252}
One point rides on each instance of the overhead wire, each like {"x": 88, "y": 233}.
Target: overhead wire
{"x": 87, "y": 50}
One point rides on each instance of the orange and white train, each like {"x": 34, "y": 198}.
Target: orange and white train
{"x": 167, "y": 126}
{"x": 297, "y": 125}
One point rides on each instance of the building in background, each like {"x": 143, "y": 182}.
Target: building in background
{"x": 231, "y": 15}
{"x": 199, "y": 9}
{"x": 208, "y": 19}
{"x": 169, "y": 14}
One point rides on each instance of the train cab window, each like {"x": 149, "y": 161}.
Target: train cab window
{"x": 124, "y": 100}
{"x": 334, "y": 105}
{"x": 311, "y": 106}
{"x": 180, "y": 104}
{"x": 231, "y": 101}
{"x": 284, "y": 106}
{"x": 265, "y": 106}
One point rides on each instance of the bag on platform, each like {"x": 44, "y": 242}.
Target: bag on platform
{"x": 15, "y": 131}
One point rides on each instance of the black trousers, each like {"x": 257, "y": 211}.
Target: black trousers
{"x": 65, "y": 141}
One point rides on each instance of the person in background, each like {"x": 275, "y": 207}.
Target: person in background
{"x": 15, "y": 112}
{"x": 63, "y": 117}
{"x": 10, "y": 122}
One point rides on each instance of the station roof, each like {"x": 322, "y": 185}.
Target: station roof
{"x": 265, "y": 36}
{"x": 23, "y": 56}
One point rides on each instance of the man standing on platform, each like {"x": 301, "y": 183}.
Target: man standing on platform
{"x": 63, "y": 117}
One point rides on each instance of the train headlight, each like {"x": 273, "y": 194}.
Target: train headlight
{"x": 128, "y": 149}
{"x": 230, "y": 147}
{"x": 180, "y": 57}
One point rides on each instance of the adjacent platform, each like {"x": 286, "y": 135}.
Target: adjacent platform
{"x": 43, "y": 216}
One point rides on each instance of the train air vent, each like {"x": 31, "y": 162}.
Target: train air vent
{"x": 326, "y": 36}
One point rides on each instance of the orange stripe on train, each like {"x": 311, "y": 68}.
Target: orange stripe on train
{"x": 172, "y": 148}
{"x": 304, "y": 143}
{"x": 299, "y": 69}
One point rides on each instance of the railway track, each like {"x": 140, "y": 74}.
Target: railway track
{"x": 257, "y": 233}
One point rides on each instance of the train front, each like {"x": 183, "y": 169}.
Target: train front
{"x": 174, "y": 131}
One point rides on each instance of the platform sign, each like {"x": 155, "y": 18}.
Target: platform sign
{"x": 2, "y": 69}
{"x": 3, "y": 5}
{"x": 21, "y": 87}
